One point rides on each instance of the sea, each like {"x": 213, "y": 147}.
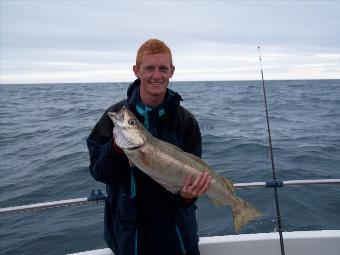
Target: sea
{"x": 43, "y": 155}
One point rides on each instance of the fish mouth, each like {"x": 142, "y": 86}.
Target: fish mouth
{"x": 126, "y": 133}
{"x": 117, "y": 117}
{"x": 136, "y": 147}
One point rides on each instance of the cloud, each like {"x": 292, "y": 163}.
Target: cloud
{"x": 90, "y": 41}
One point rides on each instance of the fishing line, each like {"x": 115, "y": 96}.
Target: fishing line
{"x": 278, "y": 214}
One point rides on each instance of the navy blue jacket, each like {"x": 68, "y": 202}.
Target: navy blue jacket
{"x": 141, "y": 217}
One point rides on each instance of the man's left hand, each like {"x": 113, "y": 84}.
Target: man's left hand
{"x": 193, "y": 189}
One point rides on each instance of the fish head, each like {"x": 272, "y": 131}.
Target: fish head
{"x": 128, "y": 132}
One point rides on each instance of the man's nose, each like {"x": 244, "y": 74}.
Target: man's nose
{"x": 156, "y": 74}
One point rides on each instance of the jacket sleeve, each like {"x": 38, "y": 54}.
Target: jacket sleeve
{"x": 106, "y": 164}
{"x": 193, "y": 145}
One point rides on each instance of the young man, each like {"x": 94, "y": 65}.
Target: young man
{"x": 141, "y": 217}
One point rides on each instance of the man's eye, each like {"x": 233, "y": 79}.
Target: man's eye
{"x": 164, "y": 69}
{"x": 148, "y": 68}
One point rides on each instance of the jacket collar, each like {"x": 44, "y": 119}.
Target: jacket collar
{"x": 172, "y": 100}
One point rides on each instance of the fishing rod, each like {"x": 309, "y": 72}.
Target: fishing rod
{"x": 99, "y": 196}
{"x": 278, "y": 213}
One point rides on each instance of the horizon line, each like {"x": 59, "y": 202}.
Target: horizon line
{"x": 183, "y": 81}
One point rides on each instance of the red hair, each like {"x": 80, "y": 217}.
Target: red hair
{"x": 152, "y": 46}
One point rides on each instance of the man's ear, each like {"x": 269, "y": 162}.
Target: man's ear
{"x": 136, "y": 70}
{"x": 172, "y": 70}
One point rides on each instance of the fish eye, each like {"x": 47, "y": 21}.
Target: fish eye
{"x": 132, "y": 122}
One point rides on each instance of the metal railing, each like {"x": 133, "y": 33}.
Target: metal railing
{"x": 98, "y": 196}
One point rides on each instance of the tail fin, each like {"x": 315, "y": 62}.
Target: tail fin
{"x": 244, "y": 213}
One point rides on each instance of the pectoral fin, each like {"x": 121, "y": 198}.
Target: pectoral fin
{"x": 144, "y": 158}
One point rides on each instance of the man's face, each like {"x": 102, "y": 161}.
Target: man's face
{"x": 154, "y": 73}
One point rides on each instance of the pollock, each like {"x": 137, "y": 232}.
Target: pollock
{"x": 170, "y": 166}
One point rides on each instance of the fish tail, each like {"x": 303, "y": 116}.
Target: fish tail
{"x": 243, "y": 213}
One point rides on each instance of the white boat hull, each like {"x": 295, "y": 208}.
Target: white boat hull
{"x": 296, "y": 243}
{"x": 325, "y": 242}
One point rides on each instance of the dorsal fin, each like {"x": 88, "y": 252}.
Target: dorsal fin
{"x": 198, "y": 159}
{"x": 189, "y": 155}
{"x": 228, "y": 183}
{"x": 172, "y": 146}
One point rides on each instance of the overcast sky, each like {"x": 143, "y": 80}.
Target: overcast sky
{"x": 96, "y": 41}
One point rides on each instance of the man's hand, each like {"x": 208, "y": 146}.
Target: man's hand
{"x": 193, "y": 189}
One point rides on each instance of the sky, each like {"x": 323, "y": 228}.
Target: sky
{"x": 96, "y": 41}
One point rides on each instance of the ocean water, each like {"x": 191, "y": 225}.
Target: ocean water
{"x": 43, "y": 153}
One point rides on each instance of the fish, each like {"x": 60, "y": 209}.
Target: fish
{"x": 170, "y": 166}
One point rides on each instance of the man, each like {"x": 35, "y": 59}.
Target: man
{"x": 141, "y": 217}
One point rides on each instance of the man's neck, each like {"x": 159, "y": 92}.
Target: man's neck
{"x": 151, "y": 100}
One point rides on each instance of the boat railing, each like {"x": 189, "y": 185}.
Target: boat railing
{"x": 98, "y": 196}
